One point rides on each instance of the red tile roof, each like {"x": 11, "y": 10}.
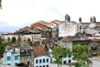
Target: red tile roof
{"x": 39, "y": 51}
{"x": 25, "y": 28}
{"x": 75, "y": 39}
{"x": 42, "y": 26}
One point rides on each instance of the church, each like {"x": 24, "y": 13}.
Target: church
{"x": 67, "y": 28}
{"x": 91, "y": 28}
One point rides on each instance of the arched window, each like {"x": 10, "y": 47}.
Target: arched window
{"x": 8, "y": 38}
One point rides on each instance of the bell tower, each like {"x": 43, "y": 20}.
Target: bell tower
{"x": 79, "y": 25}
{"x": 67, "y": 18}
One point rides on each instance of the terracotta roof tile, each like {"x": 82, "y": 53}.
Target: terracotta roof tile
{"x": 39, "y": 51}
{"x": 25, "y": 28}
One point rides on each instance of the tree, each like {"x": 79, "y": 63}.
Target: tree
{"x": 79, "y": 55}
{"x": 0, "y": 40}
{"x": 59, "y": 53}
{"x": 0, "y": 4}
{"x": 13, "y": 40}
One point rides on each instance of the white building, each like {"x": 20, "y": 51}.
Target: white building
{"x": 41, "y": 58}
{"x": 67, "y": 28}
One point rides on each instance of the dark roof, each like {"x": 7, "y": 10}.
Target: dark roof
{"x": 25, "y": 46}
{"x": 39, "y": 51}
{"x": 29, "y": 31}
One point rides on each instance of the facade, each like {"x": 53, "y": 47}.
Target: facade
{"x": 11, "y": 55}
{"x": 14, "y": 54}
{"x": 90, "y": 28}
{"x": 23, "y": 35}
{"x": 68, "y": 28}
{"x": 41, "y": 58}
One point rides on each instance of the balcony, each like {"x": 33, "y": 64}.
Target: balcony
{"x": 93, "y": 47}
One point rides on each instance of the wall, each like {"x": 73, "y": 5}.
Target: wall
{"x": 25, "y": 59}
{"x": 41, "y": 64}
{"x": 67, "y": 29}
{"x": 12, "y": 57}
{"x": 55, "y": 65}
{"x": 11, "y": 36}
{"x": 95, "y": 63}
{"x": 23, "y": 37}
{"x": 1, "y": 65}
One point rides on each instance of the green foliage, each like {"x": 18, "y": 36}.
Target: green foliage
{"x": 0, "y": 4}
{"x": 59, "y": 53}
{"x": 0, "y": 40}
{"x": 2, "y": 47}
{"x": 43, "y": 31}
{"x": 29, "y": 41}
{"x": 79, "y": 55}
{"x": 13, "y": 40}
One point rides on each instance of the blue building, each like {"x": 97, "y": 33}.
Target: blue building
{"x": 11, "y": 54}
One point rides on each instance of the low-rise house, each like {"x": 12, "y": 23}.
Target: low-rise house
{"x": 14, "y": 54}
{"x": 41, "y": 58}
{"x": 23, "y": 35}
{"x": 11, "y": 55}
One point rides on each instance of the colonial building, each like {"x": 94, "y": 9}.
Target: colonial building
{"x": 91, "y": 28}
{"x": 11, "y": 55}
{"x": 41, "y": 58}
{"x": 92, "y": 44}
{"x": 23, "y": 35}
{"x": 67, "y": 28}
{"x": 14, "y": 55}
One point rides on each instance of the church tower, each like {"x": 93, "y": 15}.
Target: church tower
{"x": 92, "y": 22}
{"x": 67, "y": 18}
{"x": 79, "y": 25}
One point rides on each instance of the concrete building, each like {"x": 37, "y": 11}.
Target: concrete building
{"x": 67, "y": 28}
{"x": 23, "y": 35}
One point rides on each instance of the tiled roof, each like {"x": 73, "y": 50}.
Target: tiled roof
{"x": 12, "y": 46}
{"x": 43, "y": 23}
{"x": 42, "y": 26}
{"x": 75, "y": 39}
{"x": 23, "y": 29}
{"x": 39, "y": 51}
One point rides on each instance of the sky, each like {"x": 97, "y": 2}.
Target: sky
{"x": 16, "y": 14}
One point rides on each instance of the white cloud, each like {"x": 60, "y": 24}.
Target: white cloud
{"x": 24, "y": 12}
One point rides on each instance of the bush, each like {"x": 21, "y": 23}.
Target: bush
{"x": 29, "y": 41}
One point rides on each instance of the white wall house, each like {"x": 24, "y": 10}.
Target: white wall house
{"x": 41, "y": 61}
{"x": 23, "y": 37}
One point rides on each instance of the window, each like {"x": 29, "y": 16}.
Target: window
{"x": 47, "y": 65}
{"x": 8, "y": 59}
{"x": 43, "y": 60}
{"x": 36, "y": 61}
{"x": 15, "y": 64}
{"x": 43, "y": 65}
{"x": 16, "y": 57}
{"x": 64, "y": 62}
{"x": 40, "y": 61}
{"x": 47, "y": 60}
{"x": 12, "y": 50}
{"x": 8, "y": 49}
{"x": 69, "y": 61}
{"x": 8, "y": 38}
{"x": 8, "y": 64}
